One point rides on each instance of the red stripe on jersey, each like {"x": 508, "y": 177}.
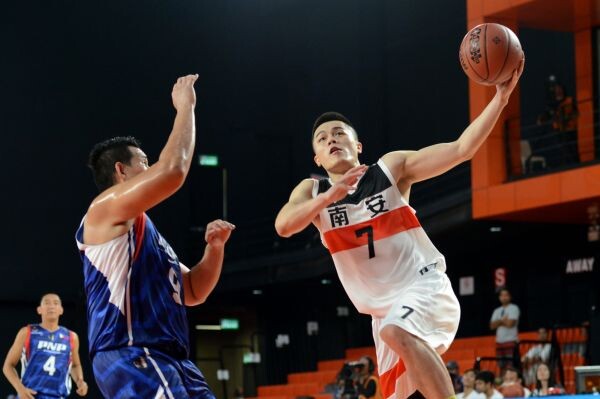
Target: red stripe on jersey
{"x": 140, "y": 228}
{"x": 388, "y": 224}
{"x": 28, "y": 342}
{"x": 72, "y": 342}
{"x": 389, "y": 378}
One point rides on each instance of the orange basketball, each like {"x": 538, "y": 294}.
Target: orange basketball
{"x": 489, "y": 53}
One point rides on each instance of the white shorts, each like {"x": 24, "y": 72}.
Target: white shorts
{"x": 427, "y": 309}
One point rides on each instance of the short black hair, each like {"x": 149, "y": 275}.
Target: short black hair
{"x": 105, "y": 154}
{"x": 332, "y": 116}
{"x": 503, "y": 289}
{"x": 49, "y": 293}
{"x": 485, "y": 376}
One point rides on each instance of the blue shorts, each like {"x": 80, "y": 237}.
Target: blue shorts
{"x": 136, "y": 372}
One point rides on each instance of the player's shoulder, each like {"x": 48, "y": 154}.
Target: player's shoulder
{"x": 304, "y": 188}
{"x": 23, "y": 332}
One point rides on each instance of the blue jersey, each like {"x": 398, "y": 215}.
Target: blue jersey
{"x": 134, "y": 292}
{"x": 46, "y": 361}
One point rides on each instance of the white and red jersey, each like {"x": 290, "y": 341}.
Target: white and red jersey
{"x": 377, "y": 243}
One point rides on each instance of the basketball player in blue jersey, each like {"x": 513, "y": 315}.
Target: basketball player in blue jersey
{"x": 383, "y": 257}
{"x": 49, "y": 355}
{"x": 135, "y": 285}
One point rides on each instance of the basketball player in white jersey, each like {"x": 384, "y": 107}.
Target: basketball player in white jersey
{"x": 385, "y": 261}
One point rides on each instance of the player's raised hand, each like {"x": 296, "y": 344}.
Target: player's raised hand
{"x": 183, "y": 93}
{"x": 218, "y": 232}
{"x": 348, "y": 182}
{"x": 82, "y": 388}
{"x": 506, "y": 88}
{"x": 26, "y": 393}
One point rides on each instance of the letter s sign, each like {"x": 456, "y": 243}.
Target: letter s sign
{"x": 500, "y": 277}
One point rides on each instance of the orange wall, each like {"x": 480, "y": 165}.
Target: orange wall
{"x": 492, "y": 196}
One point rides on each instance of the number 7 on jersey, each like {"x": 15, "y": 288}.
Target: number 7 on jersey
{"x": 369, "y": 231}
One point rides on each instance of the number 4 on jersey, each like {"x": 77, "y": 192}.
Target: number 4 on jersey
{"x": 49, "y": 366}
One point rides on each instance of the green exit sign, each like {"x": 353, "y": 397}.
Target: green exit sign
{"x": 230, "y": 324}
{"x": 208, "y": 160}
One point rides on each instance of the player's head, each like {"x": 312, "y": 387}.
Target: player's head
{"x": 50, "y": 307}
{"x": 335, "y": 142}
{"x": 504, "y": 296}
{"x": 543, "y": 334}
{"x": 116, "y": 160}
{"x": 484, "y": 381}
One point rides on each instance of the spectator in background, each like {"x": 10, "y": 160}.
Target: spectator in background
{"x": 537, "y": 354}
{"x": 560, "y": 118}
{"x": 545, "y": 384}
{"x": 512, "y": 384}
{"x": 484, "y": 383}
{"x": 504, "y": 321}
{"x": 469, "y": 392}
{"x": 367, "y": 384}
{"x": 454, "y": 372}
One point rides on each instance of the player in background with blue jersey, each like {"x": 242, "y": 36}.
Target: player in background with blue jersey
{"x": 49, "y": 355}
{"x": 135, "y": 285}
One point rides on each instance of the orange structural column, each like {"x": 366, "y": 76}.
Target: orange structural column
{"x": 584, "y": 79}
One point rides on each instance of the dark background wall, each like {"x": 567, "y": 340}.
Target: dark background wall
{"x": 74, "y": 73}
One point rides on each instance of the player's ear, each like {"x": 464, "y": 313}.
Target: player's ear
{"x": 359, "y": 147}
{"x": 120, "y": 171}
{"x": 316, "y": 159}
{"x": 39, "y": 310}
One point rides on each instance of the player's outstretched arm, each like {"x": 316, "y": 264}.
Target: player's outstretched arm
{"x": 302, "y": 210}
{"x": 199, "y": 282}
{"x": 415, "y": 166}
{"x": 76, "y": 369}
{"x": 126, "y": 201}
{"x": 10, "y": 364}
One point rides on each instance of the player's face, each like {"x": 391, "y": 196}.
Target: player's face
{"x": 543, "y": 334}
{"x": 50, "y": 307}
{"x": 137, "y": 164}
{"x": 336, "y": 148}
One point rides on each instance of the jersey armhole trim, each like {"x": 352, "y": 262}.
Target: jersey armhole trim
{"x": 28, "y": 342}
{"x": 387, "y": 172}
{"x": 315, "y": 188}
{"x": 140, "y": 228}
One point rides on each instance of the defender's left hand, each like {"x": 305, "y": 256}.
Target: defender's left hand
{"x": 218, "y": 232}
{"x": 82, "y": 388}
{"x": 506, "y": 88}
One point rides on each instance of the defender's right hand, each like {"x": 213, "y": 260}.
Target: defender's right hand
{"x": 340, "y": 189}
{"x": 184, "y": 95}
{"x": 26, "y": 393}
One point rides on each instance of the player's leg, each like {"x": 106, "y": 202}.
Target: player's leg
{"x": 194, "y": 382}
{"x": 424, "y": 366}
{"x": 137, "y": 373}
{"x": 419, "y": 327}
{"x": 393, "y": 377}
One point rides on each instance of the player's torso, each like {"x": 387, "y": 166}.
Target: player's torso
{"x": 46, "y": 361}
{"x": 135, "y": 293}
{"x": 376, "y": 241}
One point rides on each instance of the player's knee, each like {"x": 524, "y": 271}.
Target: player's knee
{"x": 396, "y": 337}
